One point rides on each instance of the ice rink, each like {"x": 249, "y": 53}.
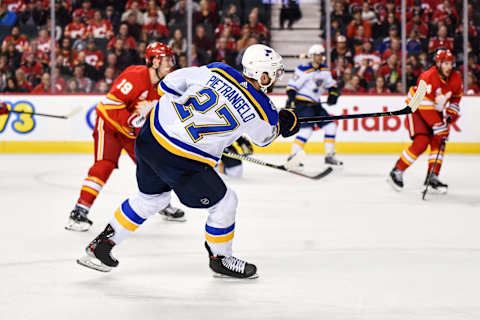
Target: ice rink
{"x": 345, "y": 247}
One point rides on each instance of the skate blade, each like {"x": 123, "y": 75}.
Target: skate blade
{"x": 222, "y": 276}
{"x": 75, "y": 226}
{"x": 91, "y": 262}
{"x": 394, "y": 186}
{"x": 181, "y": 219}
{"x": 438, "y": 190}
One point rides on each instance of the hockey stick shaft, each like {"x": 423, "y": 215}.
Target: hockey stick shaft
{"x": 75, "y": 111}
{"x": 405, "y": 110}
{"x": 253, "y": 160}
{"x": 442, "y": 146}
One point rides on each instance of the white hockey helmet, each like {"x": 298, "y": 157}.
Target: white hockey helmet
{"x": 258, "y": 59}
{"x": 316, "y": 49}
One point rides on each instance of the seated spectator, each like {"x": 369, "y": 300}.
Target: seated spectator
{"x": 109, "y": 76}
{"x": 63, "y": 14}
{"x": 205, "y": 15}
{"x": 99, "y": 28}
{"x": 60, "y": 83}
{"x": 157, "y": 31}
{"x": 418, "y": 25}
{"x": 34, "y": 15}
{"x": 85, "y": 12}
{"x": 231, "y": 13}
{"x": 84, "y": 83}
{"x": 12, "y": 86}
{"x": 178, "y": 43}
{"x": 72, "y": 86}
{"x": 228, "y": 23}
{"x": 202, "y": 41}
{"x": 414, "y": 45}
{"x": 231, "y": 43}
{"x": 135, "y": 9}
{"x": 76, "y": 29}
{"x": 7, "y": 17}
{"x": 391, "y": 71}
{"x": 178, "y": 13}
{"x": 366, "y": 52}
{"x": 65, "y": 56}
{"x": 341, "y": 49}
{"x": 222, "y": 53}
{"x": 257, "y": 28}
{"x": 112, "y": 63}
{"x": 473, "y": 66}
{"x": 446, "y": 14}
{"x": 181, "y": 61}
{"x": 123, "y": 55}
{"x": 22, "y": 82}
{"x": 113, "y": 17}
{"x": 353, "y": 86}
{"x": 356, "y": 22}
{"x": 93, "y": 56}
{"x": 20, "y": 41}
{"x": 393, "y": 22}
{"x": 134, "y": 28}
{"x": 368, "y": 15}
{"x": 379, "y": 87}
{"x": 417, "y": 67}
{"x": 44, "y": 85}
{"x": 359, "y": 39}
{"x": 472, "y": 84}
{"x": 242, "y": 42}
{"x": 440, "y": 41}
{"x": 153, "y": 12}
{"x": 44, "y": 41}
{"x": 140, "y": 53}
{"x": 101, "y": 87}
{"x": 138, "y": 4}
{"x": 395, "y": 48}
{"x": 128, "y": 41}
{"x": 385, "y": 44}
{"x": 13, "y": 55}
{"x": 32, "y": 68}
{"x": 411, "y": 79}
{"x": 340, "y": 14}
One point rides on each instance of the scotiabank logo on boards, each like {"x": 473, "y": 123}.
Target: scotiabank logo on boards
{"x": 376, "y": 124}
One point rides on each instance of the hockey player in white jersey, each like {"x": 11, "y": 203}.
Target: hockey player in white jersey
{"x": 304, "y": 91}
{"x": 204, "y": 109}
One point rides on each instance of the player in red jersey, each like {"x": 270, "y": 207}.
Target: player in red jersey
{"x": 120, "y": 114}
{"x": 430, "y": 123}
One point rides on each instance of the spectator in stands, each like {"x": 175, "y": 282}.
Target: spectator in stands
{"x": 62, "y": 14}
{"x": 72, "y": 86}
{"x": 417, "y": 67}
{"x": 34, "y": 15}
{"x": 76, "y": 29}
{"x": 156, "y": 31}
{"x": 181, "y": 61}
{"x": 205, "y": 15}
{"x": 134, "y": 28}
{"x": 99, "y": 28}
{"x": 84, "y": 83}
{"x": 395, "y": 48}
{"x": 441, "y": 40}
{"x": 32, "y": 68}
{"x": 391, "y": 7}
{"x": 353, "y": 86}
{"x": 65, "y": 56}
{"x": 222, "y": 53}
{"x": 238, "y": 60}
{"x": 93, "y": 56}
{"x": 123, "y": 34}
{"x": 414, "y": 45}
{"x": 228, "y": 23}
{"x": 178, "y": 14}
{"x": 134, "y": 9}
{"x": 44, "y": 85}
{"x": 231, "y": 43}
{"x": 44, "y": 41}
{"x": 379, "y": 87}
{"x": 411, "y": 79}
{"x": 85, "y": 12}
{"x": 123, "y": 55}
{"x": 231, "y": 12}
{"x": 446, "y": 14}
{"x": 12, "y": 86}
{"x": 178, "y": 43}
{"x": 257, "y": 28}
{"x": 472, "y": 84}
{"x": 7, "y": 18}
{"x": 242, "y": 42}
{"x": 356, "y": 22}
{"x": 341, "y": 14}
{"x": 20, "y": 41}
{"x": 101, "y": 87}
{"x": 60, "y": 83}
{"x": 359, "y": 38}
{"x": 385, "y": 44}
{"x": 139, "y": 4}
{"x": 140, "y": 53}
{"x": 203, "y": 42}
{"x": 13, "y": 55}
{"x": 113, "y": 16}
{"x": 290, "y": 12}
{"x": 22, "y": 83}
{"x": 341, "y": 49}
{"x": 368, "y": 15}
{"x": 391, "y": 71}
{"x": 153, "y": 12}
{"x": 366, "y": 52}
{"x": 112, "y": 63}
{"x": 418, "y": 25}
{"x": 473, "y": 66}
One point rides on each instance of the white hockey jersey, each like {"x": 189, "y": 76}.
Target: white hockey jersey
{"x": 205, "y": 109}
{"x": 310, "y": 83}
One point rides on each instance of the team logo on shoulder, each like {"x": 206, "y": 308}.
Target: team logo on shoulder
{"x": 267, "y": 52}
{"x": 244, "y": 84}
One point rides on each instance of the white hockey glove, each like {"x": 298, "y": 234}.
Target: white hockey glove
{"x": 139, "y": 116}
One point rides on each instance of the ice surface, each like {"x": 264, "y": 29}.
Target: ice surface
{"x": 346, "y": 247}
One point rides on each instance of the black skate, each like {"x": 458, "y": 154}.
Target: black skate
{"x": 173, "y": 214}
{"x": 436, "y": 185}
{"x": 330, "y": 159}
{"x": 231, "y": 267}
{"x": 98, "y": 255}
{"x": 395, "y": 178}
{"x": 78, "y": 220}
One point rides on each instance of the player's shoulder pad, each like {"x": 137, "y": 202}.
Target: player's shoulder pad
{"x": 305, "y": 67}
{"x": 257, "y": 99}
{"x": 324, "y": 67}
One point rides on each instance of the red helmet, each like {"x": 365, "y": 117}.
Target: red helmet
{"x": 443, "y": 55}
{"x": 157, "y": 49}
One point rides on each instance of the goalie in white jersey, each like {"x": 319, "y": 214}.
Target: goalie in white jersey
{"x": 204, "y": 109}
{"x": 304, "y": 91}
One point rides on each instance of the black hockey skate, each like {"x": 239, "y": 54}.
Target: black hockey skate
{"x": 395, "y": 178}
{"x": 98, "y": 255}
{"x": 231, "y": 267}
{"x": 173, "y": 214}
{"x": 330, "y": 159}
{"x": 78, "y": 220}
{"x": 436, "y": 185}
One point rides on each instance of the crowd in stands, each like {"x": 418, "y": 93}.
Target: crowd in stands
{"x": 366, "y": 45}
{"x": 96, "y": 40}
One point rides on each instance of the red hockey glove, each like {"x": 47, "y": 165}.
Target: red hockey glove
{"x": 440, "y": 129}
{"x": 452, "y": 113}
{"x": 288, "y": 123}
{"x": 3, "y": 108}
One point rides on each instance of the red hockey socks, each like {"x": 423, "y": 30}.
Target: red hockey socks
{"x": 409, "y": 155}
{"x": 93, "y": 184}
{"x": 435, "y": 143}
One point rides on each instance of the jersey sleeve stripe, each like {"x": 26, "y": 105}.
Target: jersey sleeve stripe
{"x": 169, "y": 90}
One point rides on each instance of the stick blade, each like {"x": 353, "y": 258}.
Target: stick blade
{"x": 418, "y": 96}
{"x": 73, "y": 112}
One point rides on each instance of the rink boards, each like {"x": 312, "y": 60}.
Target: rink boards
{"x": 34, "y": 134}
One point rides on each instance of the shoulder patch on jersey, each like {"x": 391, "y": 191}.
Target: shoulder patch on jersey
{"x": 304, "y": 67}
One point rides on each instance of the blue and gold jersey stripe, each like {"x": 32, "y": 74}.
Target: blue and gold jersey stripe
{"x": 127, "y": 217}
{"x": 219, "y": 235}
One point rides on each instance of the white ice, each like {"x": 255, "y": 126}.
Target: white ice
{"x": 346, "y": 247}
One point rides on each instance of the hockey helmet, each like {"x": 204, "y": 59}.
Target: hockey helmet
{"x": 443, "y": 55}
{"x": 316, "y": 49}
{"x": 157, "y": 49}
{"x": 258, "y": 59}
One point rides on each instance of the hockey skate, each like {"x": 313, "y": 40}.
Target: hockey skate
{"x": 98, "y": 255}
{"x": 230, "y": 267}
{"x": 78, "y": 220}
{"x": 395, "y": 179}
{"x": 173, "y": 214}
{"x": 436, "y": 185}
{"x": 330, "y": 159}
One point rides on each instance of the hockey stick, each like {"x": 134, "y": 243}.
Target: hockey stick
{"x": 442, "y": 146}
{"x": 412, "y": 107}
{"x": 317, "y": 176}
{"x": 67, "y": 116}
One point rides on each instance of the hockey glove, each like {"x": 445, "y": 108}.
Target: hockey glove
{"x": 452, "y": 113}
{"x": 3, "y": 108}
{"x": 332, "y": 96}
{"x": 440, "y": 129}
{"x": 139, "y": 116}
{"x": 291, "y": 99}
{"x": 288, "y": 123}
{"x": 245, "y": 145}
